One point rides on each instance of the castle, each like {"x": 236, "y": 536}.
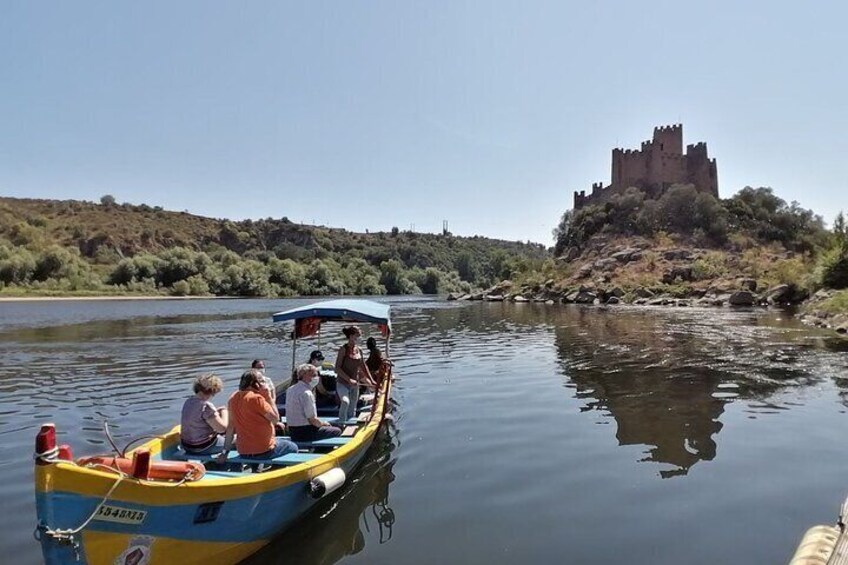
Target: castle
{"x": 659, "y": 164}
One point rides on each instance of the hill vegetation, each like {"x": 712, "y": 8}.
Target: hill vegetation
{"x": 689, "y": 247}
{"x": 61, "y": 247}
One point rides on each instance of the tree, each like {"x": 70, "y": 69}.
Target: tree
{"x": 108, "y": 200}
{"x": 393, "y": 278}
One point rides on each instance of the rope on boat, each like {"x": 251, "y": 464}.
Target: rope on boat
{"x": 68, "y": 535}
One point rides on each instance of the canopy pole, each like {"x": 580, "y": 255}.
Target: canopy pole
{"x": 294, "y": 347}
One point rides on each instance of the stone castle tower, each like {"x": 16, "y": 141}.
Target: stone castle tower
{"x": 659, "y": 164}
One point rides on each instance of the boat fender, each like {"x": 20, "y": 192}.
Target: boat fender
{"x": 155, "y": 471}
{"x": 325, "y": 483}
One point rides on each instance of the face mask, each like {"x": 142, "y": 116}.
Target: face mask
{"x": 314, "y": 382}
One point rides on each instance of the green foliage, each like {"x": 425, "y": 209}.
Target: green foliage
{"x": 143, "y": 248}
{"x": 394, "y": 279}
{"x": 752, "y": 213}
{"x": 17, "y": 265}
{"x": 710, "y": 266}
{"x": 759, "y": 212}
{"x": 832, "y": 267}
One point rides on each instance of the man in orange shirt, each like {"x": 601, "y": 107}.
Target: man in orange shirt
{"x": 252, "y": 419}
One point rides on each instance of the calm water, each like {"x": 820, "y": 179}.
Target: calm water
{"x": 544, "y": 434}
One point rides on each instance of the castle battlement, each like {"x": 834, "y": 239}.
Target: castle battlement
{"x": 673, "y": 128}
{"x": 659, "y": 163}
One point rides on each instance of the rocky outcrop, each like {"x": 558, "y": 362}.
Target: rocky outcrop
{"x": 741, "y": 298}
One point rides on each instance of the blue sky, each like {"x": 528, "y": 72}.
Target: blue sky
{"x": 375, "y": 114}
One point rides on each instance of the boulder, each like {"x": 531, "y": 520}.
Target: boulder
{"x": 643, "y": 292}
{"x": 683, "y": 272}
{"x": 494, "y": 298}
{"x": 626, "y": 255}
{"x": 476, "y": 296}
{"x": 677, "y": 255}
{"x": 741, "y": 298}
{"x": 570, "y": 254}
{"x": 585, "y": 297}
{"x": 605, "y": 264}
{"x": 748, "y": 284}
{"x": 616, "y": 292}
{"x": 571, "y": 296}
{"x": 613, "y": 300}
{"x": 640, "y": 301}
{"x": 549, "y": 302}
{"x": 519, "y": 298}
{"x": 584, "y": 271}
{"x": 661, "y": 301}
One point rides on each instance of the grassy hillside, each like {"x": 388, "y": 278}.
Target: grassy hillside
{"x": 50, "y": 246}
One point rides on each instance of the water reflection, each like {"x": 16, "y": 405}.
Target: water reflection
{"x": 345, "y": 521}
{"x": 665, "y": 377}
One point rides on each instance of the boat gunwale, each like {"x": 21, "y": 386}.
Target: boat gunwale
{"x": 61, "y": 476}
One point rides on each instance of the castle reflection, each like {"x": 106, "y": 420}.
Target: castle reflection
{"x": 665, "y": 377}
{"x": 650, "y": 379}
{"x": 333, "y": 529}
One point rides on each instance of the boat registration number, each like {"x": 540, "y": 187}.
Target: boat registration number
{"x": 120, "y": 515}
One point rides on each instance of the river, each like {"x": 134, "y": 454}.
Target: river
{"x": 522, "y": 432}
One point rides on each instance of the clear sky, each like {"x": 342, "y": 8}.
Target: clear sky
{"x": 378, "y": 114}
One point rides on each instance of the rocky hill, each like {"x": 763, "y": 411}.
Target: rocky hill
{"x": 688, "y": 249}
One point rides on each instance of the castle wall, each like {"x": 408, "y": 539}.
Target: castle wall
{"x": 657, "y": 165}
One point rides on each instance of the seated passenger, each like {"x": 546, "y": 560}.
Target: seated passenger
{"x": 201, "y": 424}
{"x": 301, "y": 414}
{"x": 325, "y": 390}
{"x": 252, "y": 419}
{"x": 267, "y": 383}
{"x": 376, "y": 363}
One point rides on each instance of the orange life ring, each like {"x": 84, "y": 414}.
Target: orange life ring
{"x": 158, "y": 470}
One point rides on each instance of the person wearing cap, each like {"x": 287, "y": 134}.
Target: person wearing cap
{"x": 325, "y": 389}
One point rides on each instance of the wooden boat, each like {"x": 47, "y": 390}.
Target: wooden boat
{"x": 95, "y": 510}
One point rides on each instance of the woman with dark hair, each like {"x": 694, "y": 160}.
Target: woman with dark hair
{"x": 351, "y": 372}
{"x": 376, "y": 363}
{"x": 201, "y": 424}
{"x": 267, "y": 383}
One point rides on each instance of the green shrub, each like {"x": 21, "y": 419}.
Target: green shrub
{"x": 832, "y": 269}
{"x": 181, "y": 288}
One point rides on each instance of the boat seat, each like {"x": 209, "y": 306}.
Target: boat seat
{"x": 234, "y": 457}
{"x": 329, "y": 442}
{"x": 331, "y": 421}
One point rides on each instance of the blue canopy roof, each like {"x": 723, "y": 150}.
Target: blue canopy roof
{"x": 345, "y": 310}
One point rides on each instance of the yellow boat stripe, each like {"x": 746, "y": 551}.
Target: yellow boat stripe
{"x": 105, "y": 547}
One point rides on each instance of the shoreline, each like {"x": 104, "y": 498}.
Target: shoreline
{"x": 108, "y": 297}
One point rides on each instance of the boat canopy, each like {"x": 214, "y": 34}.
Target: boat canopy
{"x": 308, "y": 318}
